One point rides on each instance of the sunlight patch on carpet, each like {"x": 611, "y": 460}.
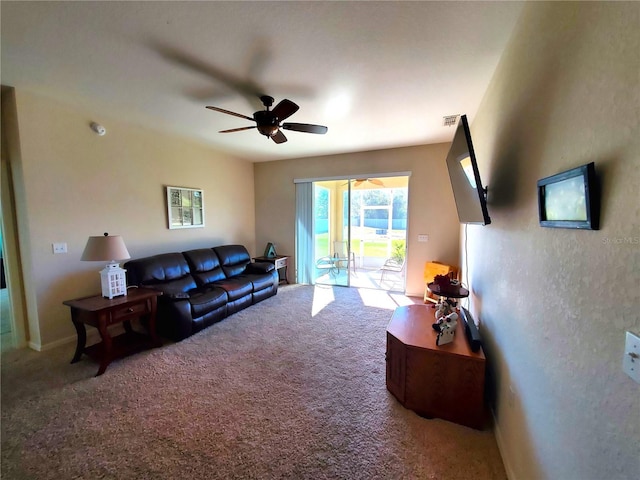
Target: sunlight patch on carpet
{"x": 322, "y": 296}
{"x": 400, "y": 299}
{"x": 377, "y": 298}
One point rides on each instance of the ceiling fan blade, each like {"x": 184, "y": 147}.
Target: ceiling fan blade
{"x": 222, "y": 110}
{"x": 210, "y": 94}
{"x": 285, "y": 109}
{"x": 305, "y": 127}
{"x": 279, "y": 137}
{"x": 357, "y": 183}
{"x": 375, "y": 181}
{"x": 245, "y": 87}
{"x": 231, "y": 130}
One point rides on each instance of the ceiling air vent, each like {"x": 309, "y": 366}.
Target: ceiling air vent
{"x": 450, "y": 120}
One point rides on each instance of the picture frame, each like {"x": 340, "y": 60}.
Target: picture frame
{"x": 570, "y": 199}
{"x": 185, "y": 207}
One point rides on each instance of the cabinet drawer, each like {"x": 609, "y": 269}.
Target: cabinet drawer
{"x": 133, "y": 310}
{"x": 281, "y": 262}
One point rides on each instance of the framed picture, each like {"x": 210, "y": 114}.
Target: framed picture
{"x": 570, "y": 199}
{"x": 185, "y": 207}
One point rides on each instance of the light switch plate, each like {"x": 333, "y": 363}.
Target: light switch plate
{"x": 59, "y": 248}
{"x": 631, "y": 360}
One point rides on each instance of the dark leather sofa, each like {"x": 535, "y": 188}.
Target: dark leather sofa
{"x": 203, "y": 286}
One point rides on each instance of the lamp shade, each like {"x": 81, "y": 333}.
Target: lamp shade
{"x": 105, "y": 248}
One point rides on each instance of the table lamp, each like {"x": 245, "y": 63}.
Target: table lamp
{"x": 108, "y": 248}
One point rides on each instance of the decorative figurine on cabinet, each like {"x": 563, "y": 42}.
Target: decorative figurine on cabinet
{"x": 443, "y": 308}
{"x": 446, "y": 328}
{"x": 270, "y": 251}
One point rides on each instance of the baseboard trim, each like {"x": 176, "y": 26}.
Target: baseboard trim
{"x": 34, "y": 346}
{"x": 413, "y": 294}
{"x": 93, "y": 336}
{"x": 502, "y": 448}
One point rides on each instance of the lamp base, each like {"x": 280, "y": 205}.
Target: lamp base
{"x": 113, "y": 280}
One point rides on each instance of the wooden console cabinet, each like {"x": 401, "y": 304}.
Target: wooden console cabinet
{"x": 436, "y": 382}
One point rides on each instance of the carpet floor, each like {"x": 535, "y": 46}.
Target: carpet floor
{"x": 293, "y": 387}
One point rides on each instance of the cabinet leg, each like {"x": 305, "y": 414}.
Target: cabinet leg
{"x": 106, "y": 346}
{"x": 82, "y": 339}
{"x": 151, "y": 330}
{"x": 103, "y": 367}
{"x": 127, "y": 326}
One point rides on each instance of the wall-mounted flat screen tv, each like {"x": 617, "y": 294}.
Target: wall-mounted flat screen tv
{"x": 468, "y": 192}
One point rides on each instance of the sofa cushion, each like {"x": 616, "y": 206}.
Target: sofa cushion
{"x": 261, "y": 281}
{"x": 204, "y": 265}
{"x": 236, "y": 305}
{"x": 175, "y": 289}
{"x": 233, "y": 259}
{"x": 236, "y": 287}
{"x": 206, "y": 300}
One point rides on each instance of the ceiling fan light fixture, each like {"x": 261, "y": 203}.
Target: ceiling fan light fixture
{"x": 268, "y": 121}
{"x": 268, "y": 130}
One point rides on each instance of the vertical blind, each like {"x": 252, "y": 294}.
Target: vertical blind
{"x": 304, "y": 233}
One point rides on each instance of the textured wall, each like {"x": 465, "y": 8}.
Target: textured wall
{"x": 74, "y": 184}
{"x": 554, "y": 304}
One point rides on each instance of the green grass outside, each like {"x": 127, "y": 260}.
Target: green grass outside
{"x": 371, "y": 249}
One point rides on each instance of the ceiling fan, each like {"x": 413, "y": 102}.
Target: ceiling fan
{"x": 358, "y": 181}
{"x": 268, "y": 121}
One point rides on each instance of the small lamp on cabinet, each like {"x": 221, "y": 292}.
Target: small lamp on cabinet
{"x": 108, "y": 248}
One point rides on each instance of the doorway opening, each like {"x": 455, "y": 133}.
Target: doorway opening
{"x": 360, "y": 232}
{"x": 6, "y": 316}
{"x": 13, "y": 333}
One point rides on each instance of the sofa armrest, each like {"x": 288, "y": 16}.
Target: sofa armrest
{"x": 260, "y": 267}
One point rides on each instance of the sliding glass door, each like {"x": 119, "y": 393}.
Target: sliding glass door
{"x": 331, "y": 233}
{"x": 355, "y": 232}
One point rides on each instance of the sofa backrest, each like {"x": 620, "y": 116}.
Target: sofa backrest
{"x": 161, "y": 270}
{"x": 233, "y": 259}
{"x": 204, "y": 265}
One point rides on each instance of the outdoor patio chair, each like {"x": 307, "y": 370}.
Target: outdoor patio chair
{"x": 340, "y": 251}
{"x": 392, "y": 265}
{"x": 329, "y": 263}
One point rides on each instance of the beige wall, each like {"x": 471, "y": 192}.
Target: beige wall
{"x": 554, "y": 304}
{"x": 431, "y": 206}
{"x": 74, "y": 184}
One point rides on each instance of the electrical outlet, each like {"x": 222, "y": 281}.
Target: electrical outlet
{"x": 423, "y": 238}
{"x": 631, "y": 360}
{"x": 59, "y": 248}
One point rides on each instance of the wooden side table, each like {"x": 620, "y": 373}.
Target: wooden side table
{"x": 434, "y": 381}
{"x": 281, "y": 263}
{"x": 100, "y": 312}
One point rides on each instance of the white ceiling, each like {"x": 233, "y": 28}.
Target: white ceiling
{"x": 377, "y": 74}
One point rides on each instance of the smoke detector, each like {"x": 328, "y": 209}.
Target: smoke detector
{"x": 450, "y": 120}
{"x": 99, "y": 129}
